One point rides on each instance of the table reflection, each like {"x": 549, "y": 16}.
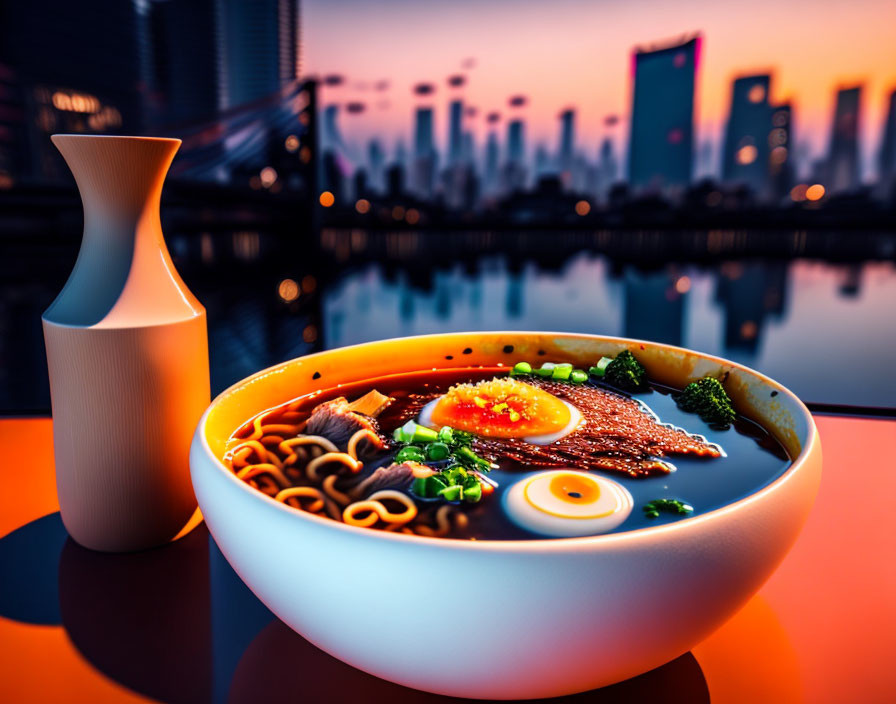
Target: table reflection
{"x": 176, "y": 624}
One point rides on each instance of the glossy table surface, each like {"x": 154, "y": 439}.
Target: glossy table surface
{"x": 175, "y": 624}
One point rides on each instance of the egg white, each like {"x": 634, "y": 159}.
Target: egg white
{"x": 530, "y": 504}
{"x": 575, "y": 417}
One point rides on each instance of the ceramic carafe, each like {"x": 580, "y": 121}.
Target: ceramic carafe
{"x": 127, "y": 353}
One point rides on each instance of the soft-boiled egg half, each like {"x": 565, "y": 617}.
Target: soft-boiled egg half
{"x": 565, "y": 503}
{"x": 503, "y": 408}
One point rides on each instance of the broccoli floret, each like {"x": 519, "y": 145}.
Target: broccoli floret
{"x": 707, "y": 397}
{"x": 625, "y": 372}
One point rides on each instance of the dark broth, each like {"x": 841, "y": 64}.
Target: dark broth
{"x": 754, "y": 458}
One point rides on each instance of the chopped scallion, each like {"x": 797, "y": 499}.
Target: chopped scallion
{"x": 600, "y": 368}
{"x": 521, "y": 368}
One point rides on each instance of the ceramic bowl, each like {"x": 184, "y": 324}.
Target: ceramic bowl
{"x": 532, "y": 618}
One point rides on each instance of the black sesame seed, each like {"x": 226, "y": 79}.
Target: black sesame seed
{"x": 449, "y": 356}
{"x": 468, "y": 351}
{"x": 541, "y": 353}
{"x": 508, "y": 349}
{"x": 316, "y": 375}
{"x": 575, "y": 494}
{"x": 774, "y": 393}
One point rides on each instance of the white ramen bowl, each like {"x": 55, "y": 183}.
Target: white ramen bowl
{"x": 533, "y": 618}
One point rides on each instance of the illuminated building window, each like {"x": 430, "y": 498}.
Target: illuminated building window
{"x": 777, "y": 137}
{"x": 798, "y": 192}
{"x": 746, "y": 154}
{"x": 778, "y": 156}
{"x": 756, "y": 93}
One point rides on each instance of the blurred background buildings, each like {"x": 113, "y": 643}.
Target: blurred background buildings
{"x": 227, "y": 77}
{"x": 472, "y": 164}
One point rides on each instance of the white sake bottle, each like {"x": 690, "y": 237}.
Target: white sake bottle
{"x": 127, "y": 351}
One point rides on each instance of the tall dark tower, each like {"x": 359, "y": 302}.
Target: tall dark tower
{"x": 258, "y": 48}
{"x": 516, "y": 147}
{"x": 514, "y": 170}
{"x": 423, "y": 172}
{"x": 887, "y": 157}
{"x": 566, "y": 150}
{"x": 746, "y": 151}
{"x": 661, "y": 139}
{"x": 455, "y": 131}
{"x": 842, "y": 168}
{"x": 492, "y": 159}
{"x": 180, "y": 55}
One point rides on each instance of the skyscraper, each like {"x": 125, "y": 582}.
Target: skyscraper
{"x": 376, "y": 160}
{"x": 745, "y": 156}
{"x": 887, "y": 157}
{"x": 492, "y": 159}
{"x": 455, "y": 131}
{"x": 515, "y": 142}
{"x": 514, "y": 167}
{"x": 662, "y": 123}
{"x": 181, "y": 66}
{"x": 423, "y": 168}
{"x": 566, "y": 148}
{"x": 258, "y": 48}
{"x": 607, "y": 165}
{"x": 842, "y": 168}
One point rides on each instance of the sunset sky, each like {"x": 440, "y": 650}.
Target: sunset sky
{"x": 577, "y": 54}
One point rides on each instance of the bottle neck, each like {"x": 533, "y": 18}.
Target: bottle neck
{"x": 124, "y": 275}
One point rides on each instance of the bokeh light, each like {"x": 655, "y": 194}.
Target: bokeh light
{"x": 268, "y": 176}
{"x": 288, "y": 290}
{"x": 815, "y": 192}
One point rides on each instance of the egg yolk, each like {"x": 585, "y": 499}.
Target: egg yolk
{"x": 501, "y": 408}
{"x": 575, "y": 489}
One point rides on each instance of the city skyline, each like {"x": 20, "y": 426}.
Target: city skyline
{"x": 809, "y": 49}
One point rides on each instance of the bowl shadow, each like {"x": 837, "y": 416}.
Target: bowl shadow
{"x": 281, "y": 666}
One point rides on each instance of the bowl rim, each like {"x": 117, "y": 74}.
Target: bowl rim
{"x": 545, "y": 544}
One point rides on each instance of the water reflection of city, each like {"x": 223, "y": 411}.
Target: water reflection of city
{"x": 789, "y": 317}
{"x": 785, "y": 303}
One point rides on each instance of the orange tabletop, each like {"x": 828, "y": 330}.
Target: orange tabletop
{"x": 176, "y": 624}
